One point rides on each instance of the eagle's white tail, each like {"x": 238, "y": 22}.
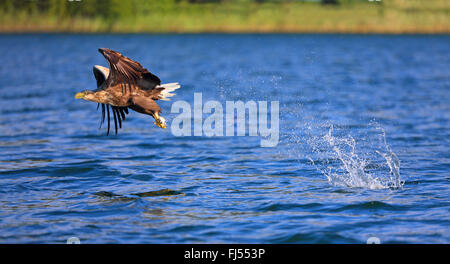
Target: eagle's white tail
{"x": 168, "y": 88}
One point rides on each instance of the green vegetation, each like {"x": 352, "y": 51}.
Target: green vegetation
{"x": 347, "y": 16}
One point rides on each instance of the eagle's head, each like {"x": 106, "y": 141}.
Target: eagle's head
{"x": 86, "y": 95}
{"x": 102, "y": 97}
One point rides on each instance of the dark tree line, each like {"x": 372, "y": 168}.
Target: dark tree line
{"x": 107, "y": 8}
{"x": 62, "y": 8}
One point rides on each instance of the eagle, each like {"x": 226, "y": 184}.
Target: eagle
{"x": 127, "y": 85}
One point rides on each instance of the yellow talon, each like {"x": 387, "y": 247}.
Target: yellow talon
{"x": 160, "y": 121}
{"x": 159, "y": 124}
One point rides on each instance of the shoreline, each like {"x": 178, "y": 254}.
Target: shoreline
{"x": 237, "y": 32}
{"x": 399, "y": 33}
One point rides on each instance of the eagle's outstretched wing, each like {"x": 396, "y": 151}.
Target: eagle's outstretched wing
{"x": 128, "y": 73}
{"x": 101, "y": 74}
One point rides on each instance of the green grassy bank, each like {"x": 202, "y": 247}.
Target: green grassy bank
{"x": 387, "y": 16}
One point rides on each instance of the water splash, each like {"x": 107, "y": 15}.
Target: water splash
{"x": 343, "y": 162}
{"x": 393, "y": 163}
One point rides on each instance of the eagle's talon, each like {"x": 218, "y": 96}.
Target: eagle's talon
{"x": 160, "y": 124}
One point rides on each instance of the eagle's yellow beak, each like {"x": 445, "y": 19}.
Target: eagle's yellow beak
{"x": 80, "y": 95}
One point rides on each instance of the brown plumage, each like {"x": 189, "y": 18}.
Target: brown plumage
{"x": 126, "y": 84}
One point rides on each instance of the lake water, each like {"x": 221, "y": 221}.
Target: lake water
{"x": 363, "y": 149}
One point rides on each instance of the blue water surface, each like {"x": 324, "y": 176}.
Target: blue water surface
{"x": 60, "y": 176}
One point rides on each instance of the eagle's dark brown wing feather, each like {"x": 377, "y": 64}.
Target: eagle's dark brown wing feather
{"x": 128, "y": 73}
{"x": 119, "y": 114}
{"x": 115, "y": 119}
